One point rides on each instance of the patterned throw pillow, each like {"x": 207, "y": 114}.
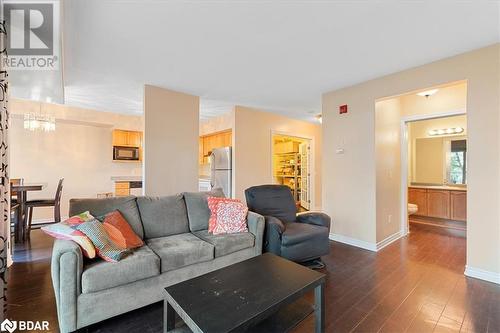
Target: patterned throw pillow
{"x": 65, "y": 230}
{"x": 119, "y": 231}
{"x": 105, "y": 248}
{"x": 213, "y": 203}
{"x": 231, "y": 218}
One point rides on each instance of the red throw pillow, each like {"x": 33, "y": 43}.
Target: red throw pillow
{"x": 119, "y": 231}
{"x": 231, "y": 217}
{"x": 213, "y": 202}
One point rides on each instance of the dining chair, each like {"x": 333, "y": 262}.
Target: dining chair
{"x": 13, "y": 193}
{"x": 15, "y": 207}
{"x": 56, "y": 203}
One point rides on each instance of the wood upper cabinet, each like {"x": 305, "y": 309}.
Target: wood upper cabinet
{"x": 418, "y": 197}
{"x": 127, "y": 138}
{"x": 458, "y": 203}
{"x": 213, "y": 141}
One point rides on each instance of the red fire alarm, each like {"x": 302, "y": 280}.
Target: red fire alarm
{"x": 343, "y": 109}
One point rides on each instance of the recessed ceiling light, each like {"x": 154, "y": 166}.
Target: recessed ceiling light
{"x": 427, "y": 93}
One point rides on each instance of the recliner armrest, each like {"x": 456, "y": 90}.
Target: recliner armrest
{"x": 272, "y": 234}
{"x": 316, "y": 218}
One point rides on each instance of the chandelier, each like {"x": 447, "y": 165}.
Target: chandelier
{"x": 39, "y": 122}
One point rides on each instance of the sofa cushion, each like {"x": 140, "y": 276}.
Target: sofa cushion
{"x": 142, "y": 263}
{"x": 181, "y": 250}
{"x": 296, "y": 232}
{"x": 227, "y": 243}
{"x": 98, "y": 207}
{"x": 197, "y": 208}
{"x": 163, "y": 216}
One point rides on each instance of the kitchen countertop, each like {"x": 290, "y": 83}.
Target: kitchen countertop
{"x": 127, "y": 178}
{"x": 440, "y": 187}
{"x": 202, "y": 177}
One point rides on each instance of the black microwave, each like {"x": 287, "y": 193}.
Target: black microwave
{"x": 125, "y": 153}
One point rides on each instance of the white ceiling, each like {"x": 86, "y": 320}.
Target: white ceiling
{"x": 277, "y": 55}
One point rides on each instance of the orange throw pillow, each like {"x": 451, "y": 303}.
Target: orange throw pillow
{"x": 213, "y": 203}
{"x": 119, "y": 231}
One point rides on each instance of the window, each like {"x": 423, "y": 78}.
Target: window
{"x": 458, "y": 162}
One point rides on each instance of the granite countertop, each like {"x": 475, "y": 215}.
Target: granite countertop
{"x": 441, "y": 187}
{"x": 127, "y": 178}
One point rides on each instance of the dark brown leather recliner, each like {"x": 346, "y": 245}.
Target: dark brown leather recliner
{"x": 302, "y": 237}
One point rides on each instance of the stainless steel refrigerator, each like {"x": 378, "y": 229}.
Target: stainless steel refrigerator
{"x": 220, "y": 170}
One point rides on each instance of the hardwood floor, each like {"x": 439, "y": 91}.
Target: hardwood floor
{"x": 414, "y": 285}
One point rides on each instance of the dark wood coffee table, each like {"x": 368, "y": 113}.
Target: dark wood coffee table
{"x": 237, "y": 297}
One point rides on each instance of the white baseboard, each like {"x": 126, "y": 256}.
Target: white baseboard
{"x": 391, "y": 239}
{"x": 354, "y": 242}
{"x": 482, "y": 274}
{"x": 366, "y": 245}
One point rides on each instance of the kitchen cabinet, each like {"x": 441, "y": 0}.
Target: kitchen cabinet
{"x": 458, "y": 203}
{"x": 418, "y": 197}
{"x": 127, "y": 138}
{"x": 122, "y": 189}
{"x": 438, "y": 203}
{"x": 212, "y": 141}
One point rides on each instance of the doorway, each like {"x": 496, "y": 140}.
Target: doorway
{"x": 292, "y": 166}
{"x": 436, "y": 177}
{"x": 430, "y": 122}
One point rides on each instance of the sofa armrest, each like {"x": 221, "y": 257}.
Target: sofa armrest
{"x": 256, "y": 227}
{"x": 272, "y": 234}
{"x": 316, "y": 218}
{"x": 66, "y": 270}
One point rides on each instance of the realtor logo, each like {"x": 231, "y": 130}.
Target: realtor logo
{"x": 24, "y": 325}
{"x": 8, "y": 326}
{"x": 32, "y": 35}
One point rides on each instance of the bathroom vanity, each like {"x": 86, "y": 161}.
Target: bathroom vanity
{"x": 444, "y": 202}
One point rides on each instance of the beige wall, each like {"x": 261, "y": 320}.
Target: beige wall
{"x": 429, "y": 161}
{"x": 217, "y": 124}
{"x": 388, "y": 167}
{"x": 252, "y": 148}
{"x": 450, "y": 97}
{"x": 349, "y": 191}
{"x": 171, "y": 141}
{"x": 80, "y": 151}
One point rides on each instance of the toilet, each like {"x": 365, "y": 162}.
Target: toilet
{"x": 412, "y": 209}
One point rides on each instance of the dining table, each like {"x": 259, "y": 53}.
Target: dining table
{"x": 22, "y": 196}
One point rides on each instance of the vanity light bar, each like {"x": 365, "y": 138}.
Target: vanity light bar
{"x": 446, "y": 131}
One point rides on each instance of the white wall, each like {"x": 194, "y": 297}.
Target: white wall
{"x": 80, "y": 151}
{"x": 349, "y": 191}
{"x": 171, "y": 141}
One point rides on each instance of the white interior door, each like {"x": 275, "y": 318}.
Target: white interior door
{"x": 305, "y": 157}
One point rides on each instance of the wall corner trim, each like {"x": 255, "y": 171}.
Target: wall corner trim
{"x": 374, "y": 247}
{"x": 482, "y": 274}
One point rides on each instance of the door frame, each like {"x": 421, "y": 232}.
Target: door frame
{"x": 312, "y": 186}
{"x": 405, "y": 229}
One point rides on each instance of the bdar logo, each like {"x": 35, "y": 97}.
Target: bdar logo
{"x": 9, "y": 326}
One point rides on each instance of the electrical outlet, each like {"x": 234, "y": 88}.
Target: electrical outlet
{"x": 389, "y": 219}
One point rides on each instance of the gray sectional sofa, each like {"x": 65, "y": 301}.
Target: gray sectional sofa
{"x": 177, "y": 247}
